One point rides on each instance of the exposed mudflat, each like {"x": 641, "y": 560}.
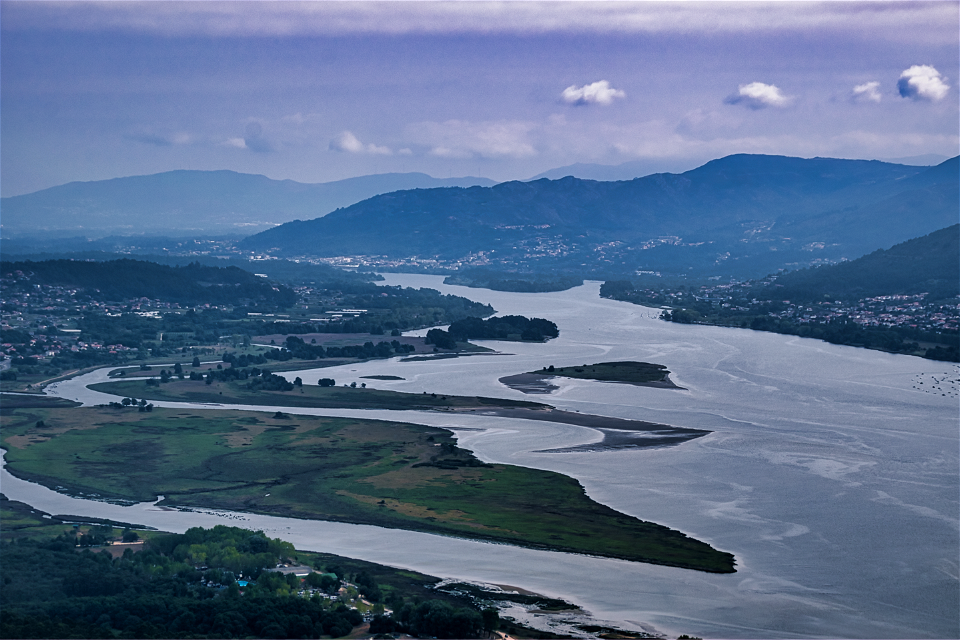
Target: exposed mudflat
{"x": 540, "y": 383}
{"x": 618, "y": 433}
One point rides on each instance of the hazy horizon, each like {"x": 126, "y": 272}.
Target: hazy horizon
{"x": 319, "y": 92}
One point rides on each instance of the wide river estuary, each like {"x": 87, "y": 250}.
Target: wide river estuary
{"x": 831, "y": 473}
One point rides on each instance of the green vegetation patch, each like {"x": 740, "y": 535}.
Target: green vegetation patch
{"x": 362, "y": 471}
{"x": 34, "y": 401}
{"x": 307, "y": 395}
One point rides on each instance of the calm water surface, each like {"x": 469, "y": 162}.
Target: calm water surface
{"x": 830, "y": 475}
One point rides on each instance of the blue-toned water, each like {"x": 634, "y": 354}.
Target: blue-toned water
{"x": 831, "y": 478}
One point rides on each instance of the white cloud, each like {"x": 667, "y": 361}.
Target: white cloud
{"x": 758, "y": 95}
{"x": 349, "y": 143}
{"x": 598, "y": 93}
{"x": 460, "y": 139}
{"x": 867, "y": 92}
{"x": 238, "y": 143}
{"x": 922, "y": 82}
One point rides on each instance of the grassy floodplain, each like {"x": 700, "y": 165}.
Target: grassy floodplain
{"x": 312, "y": 396}
{"x": 361, "y": 471}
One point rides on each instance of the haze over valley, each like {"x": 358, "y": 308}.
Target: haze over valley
{"x": 479, "y": 320}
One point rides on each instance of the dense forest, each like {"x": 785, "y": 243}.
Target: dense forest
{"x": 211, "y": 583}
{"x": 515, "y": 328}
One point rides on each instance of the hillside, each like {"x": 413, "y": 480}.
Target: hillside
{"x": 930, "y": 264}
{"x": 118, "y": 280}
{"x": 179, "y": 202}
{"x": 739, "y": 214}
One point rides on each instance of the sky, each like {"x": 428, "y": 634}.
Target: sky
{"x": 321, "y": 91}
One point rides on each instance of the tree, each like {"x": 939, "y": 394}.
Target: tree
{"x": 196, "y": 361}
{"x": 491, "y": 619}
{"x": 327, "y": 382}
{"x": 441, "y": 339}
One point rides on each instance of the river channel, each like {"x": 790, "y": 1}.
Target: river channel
{"x": 830, "y": 472}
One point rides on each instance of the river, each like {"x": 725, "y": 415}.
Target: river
{"x": 831, "y": 473}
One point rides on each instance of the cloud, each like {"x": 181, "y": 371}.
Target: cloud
{"x": 758, "y": 95}
{"x": 254, "y": 140}
{"x": 597, "y": 93}
{"x": 149, "y": 138}
{"x": 160, "y": 140}
{"x": 890, "y": 21}
{"x": 348, "y": 143}
{"x": 461, "y": 139}
{"x": 238, "y": 143}
{"x": 922, "y": 82}
{"x": 867, "y": 92}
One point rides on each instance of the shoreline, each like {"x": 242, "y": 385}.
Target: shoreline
{"x": 539, "y": 383}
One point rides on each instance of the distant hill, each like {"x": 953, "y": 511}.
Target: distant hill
{"x": 118, "y": 280}
{"x": 195, "y": 202}
{"x": 930, "y": 264}
{"x": 925, "y": 160}
{"x": 739, "y": 215}
{"x": 624, "y": 171}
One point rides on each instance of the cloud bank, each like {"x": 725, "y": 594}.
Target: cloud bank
{"x": 890, "y": 20}
{"x": 922, "y": 82}
{"x": 596, "y": 93}
{"x": 758, "y": 95}
{"x": 462, "y": 139}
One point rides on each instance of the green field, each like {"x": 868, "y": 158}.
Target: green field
{"x": 362, "y": 471}
{"x": 641, "y": 373}
{"x": 305, "y": 396}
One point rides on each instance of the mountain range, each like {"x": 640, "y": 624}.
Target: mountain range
{"x": 179, "y": 203}
{"x": 738, "y": 215}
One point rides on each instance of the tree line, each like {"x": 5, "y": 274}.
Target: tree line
{"x": 516, "y": 328}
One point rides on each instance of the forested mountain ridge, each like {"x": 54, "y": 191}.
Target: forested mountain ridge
{"x": 195, "y": 201}
{"x": 930, "y": 264}
{"x": 739, "y": 212}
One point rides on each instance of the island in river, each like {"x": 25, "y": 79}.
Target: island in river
{"x": 641, "y": 374}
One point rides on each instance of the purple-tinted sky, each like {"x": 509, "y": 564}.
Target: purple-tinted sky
{"x": 320, "y": 91}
